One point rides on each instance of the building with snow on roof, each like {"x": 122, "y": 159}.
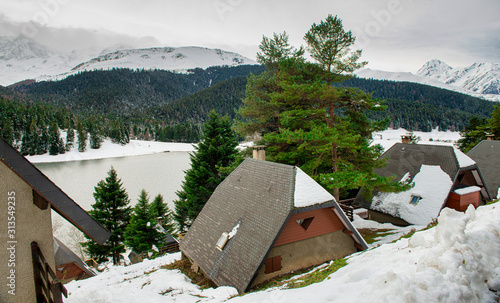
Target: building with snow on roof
{"x": 441, "y": 176}
{"x": 264, "y": 220}
{"x": 487, "y": 156}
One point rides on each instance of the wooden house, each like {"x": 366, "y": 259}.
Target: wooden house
{"x": 442, "y": 176}
{"x": 487, "y": 156}
{"x": 28, "y": 197}
{"x": 265, "y": 220}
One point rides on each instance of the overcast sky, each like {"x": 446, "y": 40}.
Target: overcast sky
{"x": 395, "y": 35}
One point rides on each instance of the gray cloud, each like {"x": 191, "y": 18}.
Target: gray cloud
{"x": 394, "y": 34}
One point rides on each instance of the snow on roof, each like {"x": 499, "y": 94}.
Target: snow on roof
{"x": 233, "y": 232}
{"x": 467, "y": 190}
{"x": 431, "y": 187}
{"x": 308, "y": 192}
{"x": 463, "y": 159}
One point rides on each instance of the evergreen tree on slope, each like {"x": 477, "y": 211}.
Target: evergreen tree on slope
{"x": 216, "y": 150}
{"x": 112, "y": 210}
{"x": 140, "y": 233}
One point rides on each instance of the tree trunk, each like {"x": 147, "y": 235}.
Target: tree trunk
{"x": 335, "y": 191}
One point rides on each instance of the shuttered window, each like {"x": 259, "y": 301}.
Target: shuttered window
{"x": 273, "y": 264}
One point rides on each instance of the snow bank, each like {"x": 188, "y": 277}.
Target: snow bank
{"x": 143, "y": 282}
{"x": 308, "y": 192}
{"x": 457, "y": 261}
{"x": 432, "y": 186}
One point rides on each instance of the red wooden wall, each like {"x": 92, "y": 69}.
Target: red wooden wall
{"x": 325, "y": 221}
{"x": 461, "y": 202}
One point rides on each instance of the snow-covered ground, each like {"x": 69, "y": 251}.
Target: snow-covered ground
{"x": 112, "y": 150}
{"x": 137, "y": 147}
{"x": 456, "y": 261}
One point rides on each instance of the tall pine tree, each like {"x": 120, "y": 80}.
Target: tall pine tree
{"x": 307, "y": 121}
{"x": 140, "y": 233}
{"x": 111, "y": 209}
{"x": 161, "y": 212}
{"x": 216, "y": 150}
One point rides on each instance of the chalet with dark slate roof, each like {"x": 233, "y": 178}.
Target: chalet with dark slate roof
{"x": 441, "y": 176}
{"x": 28, "y": 197}
{"x": 487, "y": 156}
{"x": 264, "y": 220}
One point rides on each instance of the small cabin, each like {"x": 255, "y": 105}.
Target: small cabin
{"x": 264, "y": 220}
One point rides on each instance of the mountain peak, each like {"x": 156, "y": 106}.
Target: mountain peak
{"x": 433, "y": 68}
{"x": 21, "y": 48}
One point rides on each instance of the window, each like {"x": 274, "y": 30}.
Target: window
{"x": 305, "y": 223}
{"x": 222, "y": 241}
{"x": 414, "y": 200}
{"x": 273, "y": 264}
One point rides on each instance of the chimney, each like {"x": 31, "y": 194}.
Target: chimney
{"x": 405, "y": 139}
{"x": 490, "y": 137}
{"x": 259, "y": 152}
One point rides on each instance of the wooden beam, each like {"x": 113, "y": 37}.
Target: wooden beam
{"x": 39, "y": 201}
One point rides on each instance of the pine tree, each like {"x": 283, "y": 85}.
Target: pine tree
{"x": 112, "y": 211}
{"x": 307, "y": 121}
{"x": 216, "y": 150}
{"x": 161, "y": 212}
{"x": 140, "y": 233}
{"x": 81, "y": 137}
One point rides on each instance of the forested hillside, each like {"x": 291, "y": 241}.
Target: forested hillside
{"x": 160, "y": 105}
{"x": 124, "y": 91}
{"x": 409, "y": 105}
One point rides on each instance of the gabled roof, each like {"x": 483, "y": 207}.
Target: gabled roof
{"x": 59, "y": 201}
{"x": 64, "y": 255}
{"x": 252, "y": 205}
{"x": 487, "y": 156}
{"x": 434, "y": 167}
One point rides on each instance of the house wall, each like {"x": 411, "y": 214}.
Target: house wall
{"x": 31, "y": 224}
{"x": 325, "y": 221}
{"x": 461, "y": 202}
{"x": 309, "y": 252}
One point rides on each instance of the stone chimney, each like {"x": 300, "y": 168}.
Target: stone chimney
{"x": 405, "y": 139}
{"x": 259, "y": 152}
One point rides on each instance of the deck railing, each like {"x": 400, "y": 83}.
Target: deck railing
{"x": 347, "y": 207}
{"x": 47, "y": 287}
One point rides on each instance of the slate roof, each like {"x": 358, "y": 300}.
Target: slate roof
{"x": 64, "y": 255}
{"x": 406, "y": 157}
{"x": 59, "y": 201}
{"x": 487, "y": 156}
{"x": 258, "y": 198}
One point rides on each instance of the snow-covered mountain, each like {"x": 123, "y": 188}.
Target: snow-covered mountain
{"x": 478, "y": 80}
{"x": 164, "y": 58}
{"x": 22, "y": 58}
{"x": 482, "y": 78}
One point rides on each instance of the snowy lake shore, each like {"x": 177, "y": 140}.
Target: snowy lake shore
{"x": 137, "y": 147}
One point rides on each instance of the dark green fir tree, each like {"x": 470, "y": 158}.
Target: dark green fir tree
{"x": 162, "y": 214}
{"x": 140, "y": 233}
{"x": 112, "y": 210}
{"x": 216, "y": 150}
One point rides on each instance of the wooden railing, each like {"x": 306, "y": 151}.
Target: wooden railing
{"x": 47, "y": 287}
{"x": 347, "y": 207}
